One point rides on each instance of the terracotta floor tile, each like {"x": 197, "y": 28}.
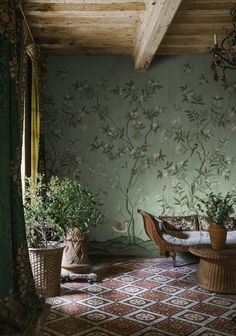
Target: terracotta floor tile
{"x": 72, "y": 309}
{"x": 140, "y": 297}
{"x": 123, "y": 326}
{"x": 68, "y": 326}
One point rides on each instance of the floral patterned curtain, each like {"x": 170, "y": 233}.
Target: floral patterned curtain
{"x": 18, "y": 299}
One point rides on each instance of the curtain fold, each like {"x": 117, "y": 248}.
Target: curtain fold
{"x": 38, "y": 61}
{"x": 18, "y": 299}
{"x": 35, "y": 128}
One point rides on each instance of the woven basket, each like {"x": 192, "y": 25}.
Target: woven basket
{"x": 46, "y": 269}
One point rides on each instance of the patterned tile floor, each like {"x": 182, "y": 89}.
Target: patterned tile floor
{"x": 140, "y": 297}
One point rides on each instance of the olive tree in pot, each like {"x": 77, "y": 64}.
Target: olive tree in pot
{"x": 74, "y": 209}
{"x": 218, "y": 208}
{"x": 43, "y": 237}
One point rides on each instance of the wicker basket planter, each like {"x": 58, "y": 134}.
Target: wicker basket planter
{"x": 46, "y": 269}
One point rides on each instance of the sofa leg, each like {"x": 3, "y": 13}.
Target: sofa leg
{"x": 162, "y": 252}
{"x": 173, "y": 256}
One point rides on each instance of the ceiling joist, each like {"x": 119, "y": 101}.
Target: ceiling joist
{"x": 156, "y": 21}
{"x": 140, "y": 28}
{"x": 81, "y": 5}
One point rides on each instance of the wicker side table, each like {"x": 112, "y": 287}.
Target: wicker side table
{"x": 217, "y": 268}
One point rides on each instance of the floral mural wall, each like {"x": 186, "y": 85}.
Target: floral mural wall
{"x": 156, "y": 141}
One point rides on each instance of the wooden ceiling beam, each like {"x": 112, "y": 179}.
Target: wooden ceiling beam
{"x": 85, "y": 25}
{"x": 75, "y": 37}
{"x": 82, "y": 21}
{"x": 189, "y": 29}
{"x": 85, "y": 42}
{"x": 89, "y": 44}
{"x": 202, "y": 16}
{"x": 94, "y": 32}
{"x": 82, "y": 14}
{"x": 81, "y": 5}
{"x": 190, "y": 40}
{"x": 134, "y": 27}
{"x": 207, "y": 4}
{"x": 184, "y": 50}
{"x": 62, "y": 49}
{"x": 156, "y": 21}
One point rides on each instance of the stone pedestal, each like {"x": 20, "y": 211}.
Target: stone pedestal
{"x": 75, "y": 257}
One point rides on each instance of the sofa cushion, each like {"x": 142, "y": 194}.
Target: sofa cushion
{"x": 231, "y": 224}
{"x": 204, "y": 224}
{"x": 194, "y": 237}
{"x": 180, "y": 223}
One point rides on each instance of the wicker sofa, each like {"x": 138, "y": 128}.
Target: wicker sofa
{"x": 176, "y": 234}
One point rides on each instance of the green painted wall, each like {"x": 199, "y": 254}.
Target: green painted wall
{"x": 155, "y": 141}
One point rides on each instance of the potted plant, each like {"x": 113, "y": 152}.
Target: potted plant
{"x": 218, "y": 210}
{"x": 73, "y": 208}
{"x": 43, "y": 237}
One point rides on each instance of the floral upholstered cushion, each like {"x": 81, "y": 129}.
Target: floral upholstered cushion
{"x": 180, "y": 223}
{"x": 195, "y": 238}
{"x": 204, "y": 224}
{"x": 231, "y": 224}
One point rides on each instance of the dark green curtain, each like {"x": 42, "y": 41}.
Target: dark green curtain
{"x": 18, "y": 299}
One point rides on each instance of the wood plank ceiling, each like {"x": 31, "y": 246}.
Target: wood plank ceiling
{"x": 140, "y": 28}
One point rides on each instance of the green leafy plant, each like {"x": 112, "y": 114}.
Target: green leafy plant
{"x": 41, "y": 229}
{"x": 218, "y": 207}
{"x": 72, "y": 205}
{"x": 52, "y": 209}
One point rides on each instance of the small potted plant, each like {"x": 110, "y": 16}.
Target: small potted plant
{"x": 43, "y": 237}
{"x": 74, "y": 209}
{"x": 218, "y": 210}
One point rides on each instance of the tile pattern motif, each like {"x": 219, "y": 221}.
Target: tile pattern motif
{"x": 140, "y": 297}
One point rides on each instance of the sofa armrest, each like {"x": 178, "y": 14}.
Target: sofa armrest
{"x": 152, "y": 226}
